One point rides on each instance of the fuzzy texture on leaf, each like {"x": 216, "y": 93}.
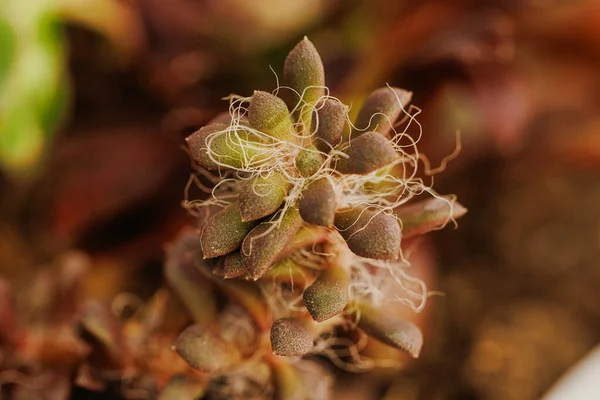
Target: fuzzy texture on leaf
{"x": 303, "y": 69}
{"x": 424, "y": 216}
{"x": 233, "y": 266}
{"x": 224, "y": 232}
{"x": 390, "y": 329}
{"x": 226, "y": 146}
{"x": 370, "y": 233}
{"x": 328, "y": 124}
{"x": 381, "y": 107}
{"x": 365, "y": 154}
{"x": 309, "y": 161}
{"x": 205, "y": 351}
{"x": 291, "y": 337}
{"x": 262, "y": 196}
{"x": 264, "y": 244}
{"x": 318, "y": 202}
{"x": 328, "y": 295}
{"x": 269, "y": 114}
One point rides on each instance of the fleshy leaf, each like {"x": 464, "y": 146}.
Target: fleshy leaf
{"x": 100, "y": 328}
{"x": 269, "y": 114}
{"x": 328, "y": 295}
{"x": 264, "y": 244}
{"x": 262, "y": 196}
{"x": 224, "y": 231}
{"x": 205, "y": 351}
{"x": 303, "y": 72}
{"x": 389, "y": 329}
{"x": 220, "y": 143}
{"x": 328, "y": 124}
{"x": 381, "y": 107}
{"x": 187, "y": 281}
{"x": 233, "y": 266}
{"x": 318, "y": 202}
{"x": 182, "y": 387}
{"x": 370, "y": 233}
{"x": 428, "y": 215}
{"x": 309, "y": 161}
{"x": 291, "y": 337}
{"x": 366, "y": 153}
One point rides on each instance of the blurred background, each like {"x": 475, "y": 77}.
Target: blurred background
{"x": 96, "y": 97}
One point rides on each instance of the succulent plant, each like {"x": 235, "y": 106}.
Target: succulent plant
{"x": 296, "y": 252}
{"x": 303, "y": 225}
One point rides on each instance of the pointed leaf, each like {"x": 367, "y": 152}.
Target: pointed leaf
{"x": 264, "y": 244}
{"x": 390, "y": 329}
{"x": 366, "y": 153}
{"x": 428, "y": 215}
{"x": 318, "y": 202}
{"x": 370, "y": 233}
{"x": 186, "y": 280}
{"x": 224, "y": 231}
{"x": 328, "y": 124}
{"x": 269, "y": 114}
{"x": 328, "y": 295}
{"x": 291, "y": 337}
{"x": 302, "y": 70}
{"x": 233, "y": 266}
{"x": 217, "y": 144}
{"x": 262, "y": 196}
{"x": 205, "y": 351}
{"x": 381, "y": 107}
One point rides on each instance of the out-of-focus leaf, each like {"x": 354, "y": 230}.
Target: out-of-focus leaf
{"x": 32, "y": 81}
{"x": 428, "y": 215}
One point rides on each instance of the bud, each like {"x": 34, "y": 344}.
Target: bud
{"x": 264, "y": 244}
{"x": 365, "y": 154}
{"x": 382, "y": 106}
{"x": 318, "y": 202}
{"x": 328, "y": 295}
{"x": 269, "y": 114}
{"x": 224, "y": 232}
{"x": 370, "y": 233}
{"x": 309, "y": 161}
{"x": 262, "y": 196}
{"x": 328, "y": 124}
{"x": 205, "y": 351}
{"x": 291, "y": 337}
{"x": 390, "y": 329}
